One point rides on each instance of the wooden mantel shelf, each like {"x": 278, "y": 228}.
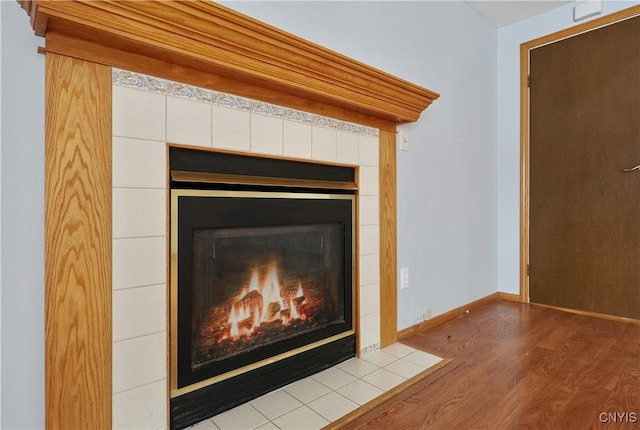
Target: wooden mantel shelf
{"x": 207, "y": 37}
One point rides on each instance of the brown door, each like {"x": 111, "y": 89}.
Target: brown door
{"x": 584, "y": 230}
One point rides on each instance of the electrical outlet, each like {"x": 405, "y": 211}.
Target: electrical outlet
{"x": 427, "y": 315}
{"x": 404, "y": 278}
{"x": 404, "y": 140}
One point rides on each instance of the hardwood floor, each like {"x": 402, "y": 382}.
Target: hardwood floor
{"x": 521, "y": 366}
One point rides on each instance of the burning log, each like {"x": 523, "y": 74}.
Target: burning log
{"x": 274, "y": 308}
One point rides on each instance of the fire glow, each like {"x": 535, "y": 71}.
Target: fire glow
{"x": 264, "y": 301}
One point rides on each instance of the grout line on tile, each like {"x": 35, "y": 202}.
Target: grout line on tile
{"x": 138, "y": 138}
{"x": 135, "y": 287}
{"x": 139, "y": 336}
{"x": 366, "y": 315}
{"x": 139, "y": 386}
{"x": 263, "y": 415}
{"x": 139, "y": 188}
{"x": 332, "y": 392}
{"x": 156, "y": 236}
{"x": 152, "y": 236}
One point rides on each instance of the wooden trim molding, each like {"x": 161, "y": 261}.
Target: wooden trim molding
{"x": 592, "y": 314}
{"x": 525, "y": 48}
{"x": 524, "y": 174}
{"x": 77, "y": 244}
{"x": 208, "y": 37}
{"x": 64, "y": 45}
{"x": 388, "y": 240}
{"x": 510, "y": 297}
{"x": 196, "y": 42}
{"x": 458, "y": 312}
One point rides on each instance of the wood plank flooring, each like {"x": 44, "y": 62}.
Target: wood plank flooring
{"x": 523, "y": 366}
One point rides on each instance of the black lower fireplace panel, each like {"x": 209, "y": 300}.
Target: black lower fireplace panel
{"x": 191, "y": 408}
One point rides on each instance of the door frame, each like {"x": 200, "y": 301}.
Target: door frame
{"x": 525, "y": 49}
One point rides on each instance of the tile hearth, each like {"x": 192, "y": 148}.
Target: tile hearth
{"x": 320, "y": 399}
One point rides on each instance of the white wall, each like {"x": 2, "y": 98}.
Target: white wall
{"x": 22, "y": 242}
{"x": 509, "y": 40}
{"x": 447, "y": 182}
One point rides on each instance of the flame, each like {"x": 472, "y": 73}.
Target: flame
{"x": 233, "y": 319}
{"x": 271, "y": 290}
{"x": 247, "y": 314}
{"x": 294, "y": 312}
{"x": 253, "y": 283}
{"x": 299, "y": 293}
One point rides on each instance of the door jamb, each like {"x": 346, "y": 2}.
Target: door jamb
{"x": 525, "y": 48}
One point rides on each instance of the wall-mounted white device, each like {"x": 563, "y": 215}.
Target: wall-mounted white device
{"x": 586, "y": 8}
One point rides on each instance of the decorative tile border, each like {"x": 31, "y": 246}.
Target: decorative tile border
{"x": 369, "y": 349}
{"x": 125, "y": 78}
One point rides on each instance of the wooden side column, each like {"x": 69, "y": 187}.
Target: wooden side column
{"x": 388, "y": 240}
{"x": 78, "y": 244}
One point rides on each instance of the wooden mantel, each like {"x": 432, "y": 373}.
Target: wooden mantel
{"x": 207, "y": 37}
{"x": 199, "y": 43}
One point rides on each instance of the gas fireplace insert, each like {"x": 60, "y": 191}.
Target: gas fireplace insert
{"x": 262, "y": 289}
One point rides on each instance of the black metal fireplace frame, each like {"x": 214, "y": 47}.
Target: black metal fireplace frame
{"x": 210, "y": 174}
{"x": 195, "y": 209}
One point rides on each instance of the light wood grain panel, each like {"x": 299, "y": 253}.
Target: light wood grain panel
{"x": 525, "y": 48}
{"x": 388, "y": 240}
{"x": 206, "y": 36}
{"x": 78, "y": 244}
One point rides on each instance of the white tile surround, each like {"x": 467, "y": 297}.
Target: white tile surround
{"x": 148, "y": 113}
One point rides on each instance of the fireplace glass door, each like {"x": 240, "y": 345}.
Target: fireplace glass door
{"x": 257, "y": 277}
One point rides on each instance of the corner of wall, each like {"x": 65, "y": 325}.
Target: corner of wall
{"x": 21, "y": 222}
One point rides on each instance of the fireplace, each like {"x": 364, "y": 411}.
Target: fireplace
{"x": 140, "y": 261}
{"x": 262, "y": 276}
{"x": 100, "y": 371}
